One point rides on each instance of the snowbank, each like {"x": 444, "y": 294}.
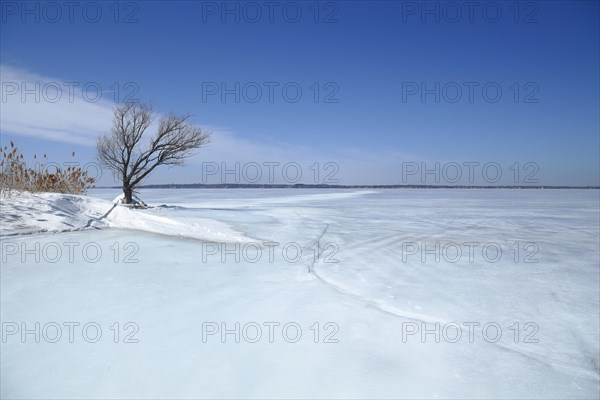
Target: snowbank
{"x": 29, "y": 213}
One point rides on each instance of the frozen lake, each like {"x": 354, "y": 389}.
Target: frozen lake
{"x": 345, "y": 293}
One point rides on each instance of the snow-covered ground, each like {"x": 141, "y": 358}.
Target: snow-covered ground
{"x": 301, "y": 293}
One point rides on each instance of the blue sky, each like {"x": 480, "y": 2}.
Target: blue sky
{"x": 361, "y": 68}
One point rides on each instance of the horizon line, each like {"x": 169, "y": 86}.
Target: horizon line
{"x": 336, "y": 186}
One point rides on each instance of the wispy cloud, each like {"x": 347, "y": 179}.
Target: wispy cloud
{"x": 33, "y": 106}
{"x": 29, "y": 109}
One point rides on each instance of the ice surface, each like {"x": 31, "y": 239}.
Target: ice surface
{"x": 372, "y": 294}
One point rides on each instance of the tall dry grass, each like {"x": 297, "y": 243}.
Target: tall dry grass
{"x": 16, "y": 177}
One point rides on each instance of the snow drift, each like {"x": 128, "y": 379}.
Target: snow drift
{"x": 29, "y": 213}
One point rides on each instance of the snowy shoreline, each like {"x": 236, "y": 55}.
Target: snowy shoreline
{"x": 30, "y": 213}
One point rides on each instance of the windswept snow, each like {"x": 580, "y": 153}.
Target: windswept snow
{"x": 30, "y": 213}
{"x": 363, "y": 292}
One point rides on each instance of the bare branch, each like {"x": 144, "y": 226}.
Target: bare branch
{"x": 123, "y": 152}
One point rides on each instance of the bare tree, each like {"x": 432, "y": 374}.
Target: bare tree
{"x": 131, "y": 158}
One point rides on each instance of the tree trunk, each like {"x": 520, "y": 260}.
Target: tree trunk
{"x": 128, "y": 192}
